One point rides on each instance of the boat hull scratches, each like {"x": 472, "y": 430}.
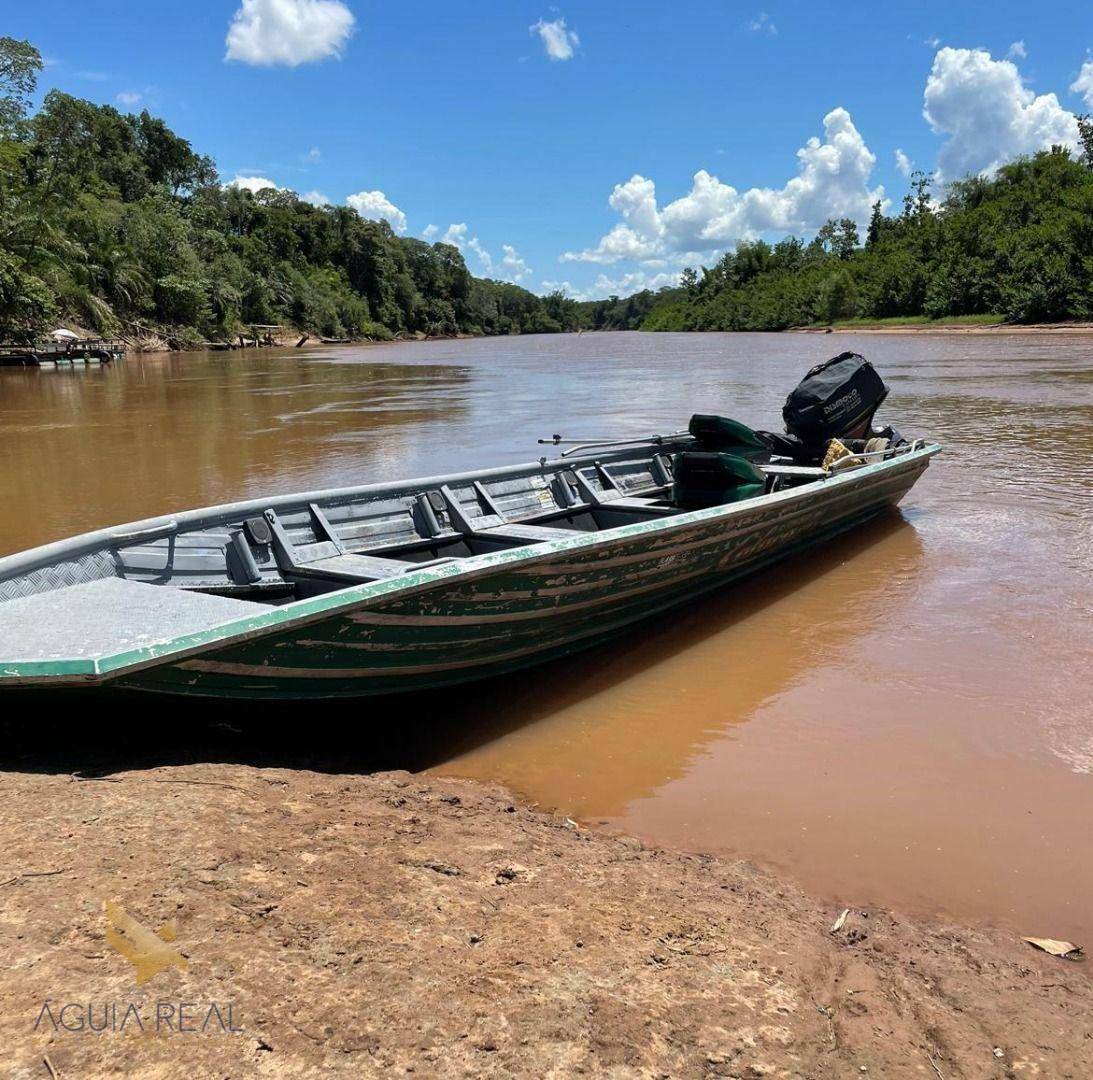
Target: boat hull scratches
{"x": 501, "y": 623}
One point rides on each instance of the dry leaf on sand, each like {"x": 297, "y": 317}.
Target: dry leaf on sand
{"x": 1066, "y": 949}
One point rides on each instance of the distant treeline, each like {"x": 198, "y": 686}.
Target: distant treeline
{"x": 114, "y": 222}
{"x": 1017, "y": 246}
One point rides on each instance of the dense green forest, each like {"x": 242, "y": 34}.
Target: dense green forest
{"x": 114, "y": 222}
{"x": 1017, "y": 246}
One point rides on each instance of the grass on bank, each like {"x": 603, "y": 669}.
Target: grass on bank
{"x": 987, "y": 319}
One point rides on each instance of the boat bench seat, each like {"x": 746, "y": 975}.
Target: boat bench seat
{"x": 329, "y": 558}
{"x": 534, "y": 534}
{"x": 356, "y": 567}
{"x": 493, "y": 524}
{"x": 643, "y": 506}
{"x": 611, "y": 496}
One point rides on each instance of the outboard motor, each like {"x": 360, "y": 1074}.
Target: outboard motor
{"x": 835, "y": 400}
{"x": 831, "y": 407}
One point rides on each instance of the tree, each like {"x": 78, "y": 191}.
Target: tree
{"x": 836, "y": 299}
{"x": 20, "y": 63}
{"x": 26, "y": 302}
{"x": 1085, "y": 139}
{"x": 846, "y": 238}
{"x": 916, "y": 203}
{"x": 168, "y": 159}
{"x": 876, "y": 225}
{"x": 839, "y": 237}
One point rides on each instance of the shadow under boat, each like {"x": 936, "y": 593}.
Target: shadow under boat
{"x": 103, "y": 731}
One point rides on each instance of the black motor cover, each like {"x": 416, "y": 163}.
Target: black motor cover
{"x": 836, "y": 398}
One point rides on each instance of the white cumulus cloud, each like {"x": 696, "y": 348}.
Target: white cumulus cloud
{"x": 832, "y": 181}
{"x": 903, "y": 162}
{"x": 988, "y": 114}
{"x": 375, "y": 206}
{"x": 253, "y": 183}
{"x": 484, "y": 257}
{"x": 762, "y": 24}
{"x": 290, "y": 32}
{"x": 455, "y": 235}
{"x": 1017, "y": 51}
{"x": 563, "y": 287}
{"x": 1083, "y": 84}
{"x": 557, "y": 38}
{"x": 630, "y": 283}
{"x": 429, "y": 232}
{"x": 128, "y": 97}
{"x": 604, "y": 286}
{"x": 511, "y": 267}
{"x": 316, "y": 198}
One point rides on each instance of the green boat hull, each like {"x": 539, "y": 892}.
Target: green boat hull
{"x": 564, "y": 598}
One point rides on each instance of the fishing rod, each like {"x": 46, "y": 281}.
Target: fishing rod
{"x": 576, "y": 445}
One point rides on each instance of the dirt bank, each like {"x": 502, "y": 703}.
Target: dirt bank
{"x": 350, "y": 925}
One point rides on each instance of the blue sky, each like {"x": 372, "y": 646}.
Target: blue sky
{"x": 567, "y": 139}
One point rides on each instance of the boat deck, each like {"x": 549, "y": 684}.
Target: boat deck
{"x": 99, "y": 618}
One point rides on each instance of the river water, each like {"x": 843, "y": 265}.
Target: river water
{"x": 903, "y": 717}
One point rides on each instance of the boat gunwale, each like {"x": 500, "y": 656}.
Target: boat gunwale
{"x": 22, "y": 562}
{"x": 317, "y": 608}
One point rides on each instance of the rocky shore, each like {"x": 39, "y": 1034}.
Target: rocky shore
{"x": 318, "y": 924}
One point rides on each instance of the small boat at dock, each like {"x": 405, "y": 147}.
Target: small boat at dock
{"x": 402, "y": 586}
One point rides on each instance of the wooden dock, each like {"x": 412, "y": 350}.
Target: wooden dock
{"x": 88, "y": 351}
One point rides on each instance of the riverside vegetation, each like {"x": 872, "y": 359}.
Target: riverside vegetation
{"x": 114, "y": 222}
{"x": 1015, "y": 247}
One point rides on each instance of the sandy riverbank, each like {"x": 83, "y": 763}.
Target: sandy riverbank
{"x": 951, "y": 328}
{"x": 360, "y": 924}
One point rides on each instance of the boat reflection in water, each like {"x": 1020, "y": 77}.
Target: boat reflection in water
{"x": 604, "y": 730}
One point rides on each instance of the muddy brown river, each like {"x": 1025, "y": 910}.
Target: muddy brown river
{"x": 904, "y": 717}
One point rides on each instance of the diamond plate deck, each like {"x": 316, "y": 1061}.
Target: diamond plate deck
{"x": 100, "y": 617}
